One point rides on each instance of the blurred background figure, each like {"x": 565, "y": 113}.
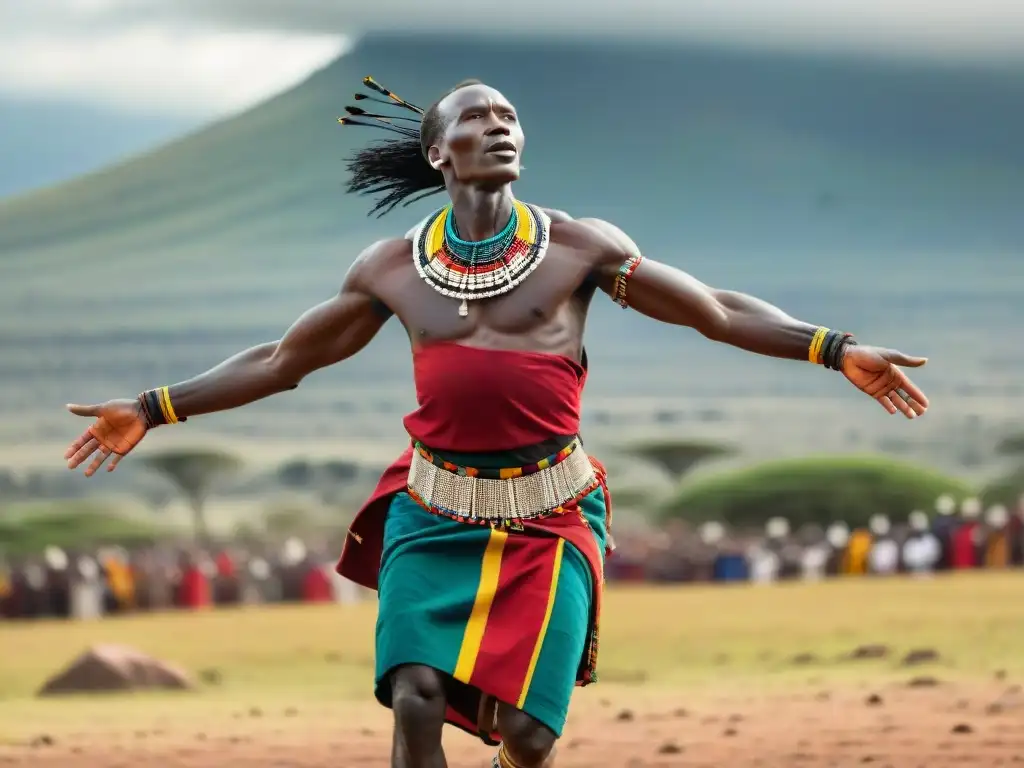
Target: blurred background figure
{"x": 922, "y": 552}
{"x": 944, "y": 526}
{"x": 193, "y": 588}
{"x": 730, "y": 565}
{"x": 838, "y": 538}
{"x": 764, "y": 563}
{"x": 815, "y": 552}
{"x": 1016, "y": 534}
{"x": 260, "y": 583}
{"x": 966, "y": 536}
{"x": 884, "y": 557}
{"x": 58, "y": 585}
{"x": 858, "y": 550}
{"x": 87, "y": 588}
{"x": 994, "y": 538}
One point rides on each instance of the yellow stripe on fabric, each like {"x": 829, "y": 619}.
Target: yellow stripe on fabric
{"x": 474, "y": 634}
{"x": 552, "y": 592}
{"x": 435, "y": 234}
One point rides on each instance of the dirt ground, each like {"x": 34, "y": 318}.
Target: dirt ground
{"x": 924, "y": 723}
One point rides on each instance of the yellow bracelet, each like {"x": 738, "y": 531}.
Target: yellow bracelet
{"x": 814, "y": 352}
{"x": 166, "y": 407}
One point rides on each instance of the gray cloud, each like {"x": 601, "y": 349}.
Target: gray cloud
{"x": 207, "y": 57}
{"x": 981, "y": 29}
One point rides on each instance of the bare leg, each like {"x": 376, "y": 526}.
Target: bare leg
{"x": 527, "y": 743}
{"x": 418, "y": 702}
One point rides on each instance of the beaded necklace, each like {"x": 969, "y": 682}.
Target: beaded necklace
{"x": 468, "y": 270}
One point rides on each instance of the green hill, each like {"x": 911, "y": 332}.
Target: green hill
{"x": 876, "y": 196}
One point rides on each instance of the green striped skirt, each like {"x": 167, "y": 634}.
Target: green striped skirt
{"x": 506, "y": 612}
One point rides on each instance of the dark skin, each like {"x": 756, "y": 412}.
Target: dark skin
{"x": 479, "y": 153}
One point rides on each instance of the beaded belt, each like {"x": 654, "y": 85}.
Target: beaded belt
{"x": 516, "y": 493}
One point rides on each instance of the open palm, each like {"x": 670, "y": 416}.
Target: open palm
{"x": 877, "y": 372}
{"x": 118, "y": 428}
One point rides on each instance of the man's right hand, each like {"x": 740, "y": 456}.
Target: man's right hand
{"x": 120, "y": 425}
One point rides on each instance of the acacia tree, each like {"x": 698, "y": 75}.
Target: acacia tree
{"x": 678, "y": 457}
{"x": 1012, "y": 445}
{"x": 194, "y": 472}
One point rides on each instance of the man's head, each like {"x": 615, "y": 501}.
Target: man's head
{"x": 472, "y": 134}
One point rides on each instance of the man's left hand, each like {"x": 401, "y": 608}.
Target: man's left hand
{"x": 876, "y": 372}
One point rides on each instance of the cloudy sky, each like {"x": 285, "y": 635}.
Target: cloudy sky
{"x": 197, "y": 59}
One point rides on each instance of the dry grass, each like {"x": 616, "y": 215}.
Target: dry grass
{"x": 664, "y": 639}
{"x": 711, "y": 669}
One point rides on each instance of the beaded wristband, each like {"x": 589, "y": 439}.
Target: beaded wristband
{"x": 814, "y": 350}
{"x": 828, "y": 348}
{"x": 157, "y": 407}
{"x": 622, "y": 280}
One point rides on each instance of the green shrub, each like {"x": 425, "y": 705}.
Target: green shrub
{"x": 1006, "y": 490}
{"x": 74, "y": 527}
{"x": 815, "y": 490}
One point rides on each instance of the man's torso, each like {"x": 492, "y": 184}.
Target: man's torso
{"x": 546, "y": 313}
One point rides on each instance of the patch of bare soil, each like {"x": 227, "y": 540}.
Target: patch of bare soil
{"x": 901, "y": 727}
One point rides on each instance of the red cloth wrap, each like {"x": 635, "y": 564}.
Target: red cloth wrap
{"x": 474, "y": 400}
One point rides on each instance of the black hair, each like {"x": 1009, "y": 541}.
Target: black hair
{"x": 397, "y": 169}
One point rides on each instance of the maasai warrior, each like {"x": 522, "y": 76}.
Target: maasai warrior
{"x": 486, "y": 539}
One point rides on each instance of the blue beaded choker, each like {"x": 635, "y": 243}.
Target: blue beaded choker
{"x": 471, "y": 252}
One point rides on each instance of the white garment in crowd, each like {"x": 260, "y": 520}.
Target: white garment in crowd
{"x": 345, "y": 590}
{"x": 86, "y": 587}
{"x": 884, "y": 557}
{"x": 814, "y": 562}
{"x": 921, "y": 552}
{"x": 764, "y": 566}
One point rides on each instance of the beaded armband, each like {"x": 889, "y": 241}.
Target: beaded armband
{"x": 828, "y": 348}
{"x": 622, "y": 280}
{"x": 157, "y": 408}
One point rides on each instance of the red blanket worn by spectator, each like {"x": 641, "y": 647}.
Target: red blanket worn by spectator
{"x": 964, "y": 550}
{"x": 194, "y": 590}
{"x": 316, "y": 585}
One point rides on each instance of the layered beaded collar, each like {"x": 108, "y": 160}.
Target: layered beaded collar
{"x": 468, "y": 270}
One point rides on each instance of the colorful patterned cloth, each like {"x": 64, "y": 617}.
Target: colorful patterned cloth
{"x": 510, "y": 611}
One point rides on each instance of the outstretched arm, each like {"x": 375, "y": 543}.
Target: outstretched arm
{"x": 328, "y": 333}
{"x": 672, "y": 296}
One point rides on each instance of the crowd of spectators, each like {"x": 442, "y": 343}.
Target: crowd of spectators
{"x": 115, "y": 580}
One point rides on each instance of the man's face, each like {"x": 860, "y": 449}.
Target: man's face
{"x": 482, "y": 142}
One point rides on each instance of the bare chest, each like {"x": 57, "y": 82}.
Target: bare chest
{"x": 544, "y": 313}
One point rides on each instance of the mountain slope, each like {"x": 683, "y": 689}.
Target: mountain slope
{"x": 869, "y": 195}
{"x": 42, "y": 143}
{"x": 765, "y": 136}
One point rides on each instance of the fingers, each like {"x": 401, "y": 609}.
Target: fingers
{"x": 886, "y": 403}
{"x": 83, "y": 410}
{"x": 101, "y": 456}
{"x": 114, "y": 462}
{"x": 900, "y": 400}
{"x": 915, "y": 396}
{"x": 906, "y": 361}
{"x": 85, "y": 450}
{"x": 78, "y": 444}
{"x": 903, "y": 398}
